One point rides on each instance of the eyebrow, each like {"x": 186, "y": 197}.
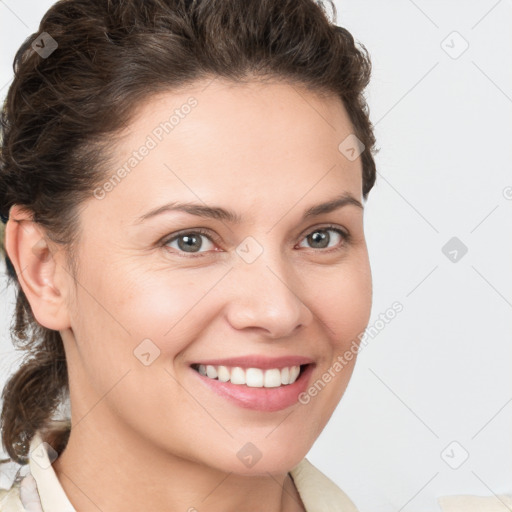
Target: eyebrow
{"x": 218, "y": 213}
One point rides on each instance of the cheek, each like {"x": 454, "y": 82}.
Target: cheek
{"x": 128, "y": 331}
{"x": 168, "y": 307}
{"x": 343, "y": 303}
{"x": 343, "y": 306}
{"x": 167, "y": 304}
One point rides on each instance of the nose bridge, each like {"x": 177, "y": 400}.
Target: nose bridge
{"x": 267, "y": 290}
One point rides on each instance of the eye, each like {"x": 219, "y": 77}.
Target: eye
{"x": 320, "y": 239}
{"x": 189, "y": 241}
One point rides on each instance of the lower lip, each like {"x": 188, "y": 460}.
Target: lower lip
{"x": 260, "y": 399}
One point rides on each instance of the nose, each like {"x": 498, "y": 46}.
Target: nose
{"x": 266, "y": 295}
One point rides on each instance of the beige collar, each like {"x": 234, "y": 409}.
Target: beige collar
{"x": 318, "y": 493}
{"x": 52, "y": 495}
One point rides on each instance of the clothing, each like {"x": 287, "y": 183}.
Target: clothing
{"x": 39, "y": 490}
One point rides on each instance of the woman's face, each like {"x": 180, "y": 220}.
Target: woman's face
{"x": 276, "y": 287}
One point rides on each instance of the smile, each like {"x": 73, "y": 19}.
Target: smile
{"x": 262, "y": 385}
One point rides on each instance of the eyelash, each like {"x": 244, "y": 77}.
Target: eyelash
{"x": 200, "y": 231}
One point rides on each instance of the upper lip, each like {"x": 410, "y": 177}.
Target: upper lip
{"x": 256, "y": 361}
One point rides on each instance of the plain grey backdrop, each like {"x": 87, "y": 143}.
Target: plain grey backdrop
{"x": 428, "y": 411}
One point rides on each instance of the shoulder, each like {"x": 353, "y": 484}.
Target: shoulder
{"x": 473, "y": 503}
{"x": 11, "y": 476}
{"x": 10, "y": 500}
{"x": 318, "y": 492}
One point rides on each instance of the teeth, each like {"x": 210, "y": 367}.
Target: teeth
{"x": 272, "y": 378}
{"x": 211, "y": 371}
{"x": 223, "y": 374}
{"x": 294, "y": 373}
{"x": 237, "y": 376}
{"x": 252, "y": 377}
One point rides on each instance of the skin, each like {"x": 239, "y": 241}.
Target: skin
{"x": 268, "y": 152}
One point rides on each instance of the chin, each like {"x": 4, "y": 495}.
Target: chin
{"x": 260, "y": 460}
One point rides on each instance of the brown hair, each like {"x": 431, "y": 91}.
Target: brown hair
{"x": 63, "y": 111}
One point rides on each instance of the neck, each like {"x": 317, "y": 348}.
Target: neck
{"x": 104, "y": 467}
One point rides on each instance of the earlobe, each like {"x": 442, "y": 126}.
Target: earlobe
{"x": 36, "y": 267}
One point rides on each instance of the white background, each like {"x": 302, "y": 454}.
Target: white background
{"x": 441, "y": 370}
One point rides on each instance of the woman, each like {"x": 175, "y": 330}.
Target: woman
{"x": 183, "y": 184}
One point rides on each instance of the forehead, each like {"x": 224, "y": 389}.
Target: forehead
{"x": 260, "y": 139}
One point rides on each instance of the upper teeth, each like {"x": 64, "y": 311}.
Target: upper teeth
{"x": 252, "y": 377}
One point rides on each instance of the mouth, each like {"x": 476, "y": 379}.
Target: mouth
{"x": 250, "y": 387}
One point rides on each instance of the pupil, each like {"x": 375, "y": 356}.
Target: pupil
{"x": 189, "y": 242}
{"x": 319, "y": 237}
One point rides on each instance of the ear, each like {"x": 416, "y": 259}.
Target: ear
{"x": 40, "y": 274}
